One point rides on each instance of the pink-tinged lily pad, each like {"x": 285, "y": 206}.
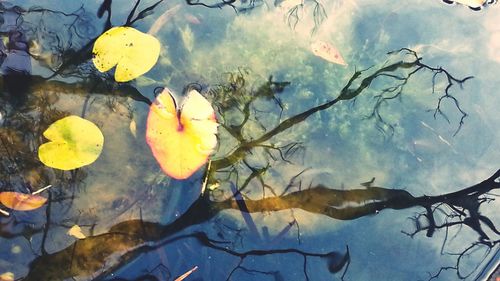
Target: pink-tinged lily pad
{"x": 181, "y": 139}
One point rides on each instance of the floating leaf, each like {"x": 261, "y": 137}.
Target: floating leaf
{"x": 76, "y": 232}
{"x": 183, "y": 276}
{"x": 133, "y": 52}
{"x": 327, "y": 52}
{"x": 181, "y": 139}
{"x": 74, "y": 142}
{"x": 187, "y": 38}
{"x": 7, "y": 276}
{"x": 21, "y": 201}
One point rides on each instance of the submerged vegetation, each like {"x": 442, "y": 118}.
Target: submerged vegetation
{"x": 125, "y": 208}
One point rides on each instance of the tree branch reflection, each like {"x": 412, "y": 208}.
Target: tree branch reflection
{"x": 86, "y": 256}
{"x": 338, "y": 204}
{"x": 235, "y": 104}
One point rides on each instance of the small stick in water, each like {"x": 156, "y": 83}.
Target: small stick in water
{"x": 41, "y": 190}
{"x": 204, "y": 185}
{"x": 183, "y": 276}
{"x": 5, "y": 213}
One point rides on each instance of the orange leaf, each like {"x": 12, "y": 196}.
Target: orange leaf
{"x": 183, "y": 276}
{"x": 21, "y": 201}
{"x": 7, "y": 276}
{"x": 181, "y": 139}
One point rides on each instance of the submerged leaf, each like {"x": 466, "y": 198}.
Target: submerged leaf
{"x": 181, "y": 139}
{"x": 163, "y": 19}
{"x": 74, "y": 142}
{"x": 133, "y": 128}
{"x": 21, "y": 201}
{"x": 187, "y": 38}
{"x": 327, "y": 52}
{"x": 133, "y": 52}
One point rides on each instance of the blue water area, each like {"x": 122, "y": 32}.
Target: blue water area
{"x": 356, "y": 140}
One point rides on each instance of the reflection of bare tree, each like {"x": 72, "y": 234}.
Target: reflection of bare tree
{"x": 29, "y": 104}
{"x": 459, "y": 209}
{"x": 239, "y": 6}
{"x": 293, "y": 8}
{"x": 399, "y": 69}
{"x": 88, "y": 255}
{"x": 237, "y": 108}
{"x": 319, "y": 13}
{"x": 20, "y": 137}
{"x": 396, "y": 91}
{"x": 338, "y": 204}
{"x": 66, "y": 53}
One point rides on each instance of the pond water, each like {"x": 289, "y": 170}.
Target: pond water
{"x": 379, "y": 168}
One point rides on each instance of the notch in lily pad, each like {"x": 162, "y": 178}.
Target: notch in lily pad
{"x": 74, "y": 142}
{"x": 131, "y": 51}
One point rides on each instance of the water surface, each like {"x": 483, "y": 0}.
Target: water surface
{"x": 253, "y": 61}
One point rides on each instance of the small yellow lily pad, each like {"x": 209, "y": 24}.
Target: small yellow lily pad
{"x": 74, "y": 142}
{"x": 133, "y": 52}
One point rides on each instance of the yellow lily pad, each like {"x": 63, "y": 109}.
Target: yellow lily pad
{"x": 133, "y": 52}
{"x": 181, "y": 139}
{"x": 74, "y": 142}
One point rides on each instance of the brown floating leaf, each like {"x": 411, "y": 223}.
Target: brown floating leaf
{"x": 21, "y": 201}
